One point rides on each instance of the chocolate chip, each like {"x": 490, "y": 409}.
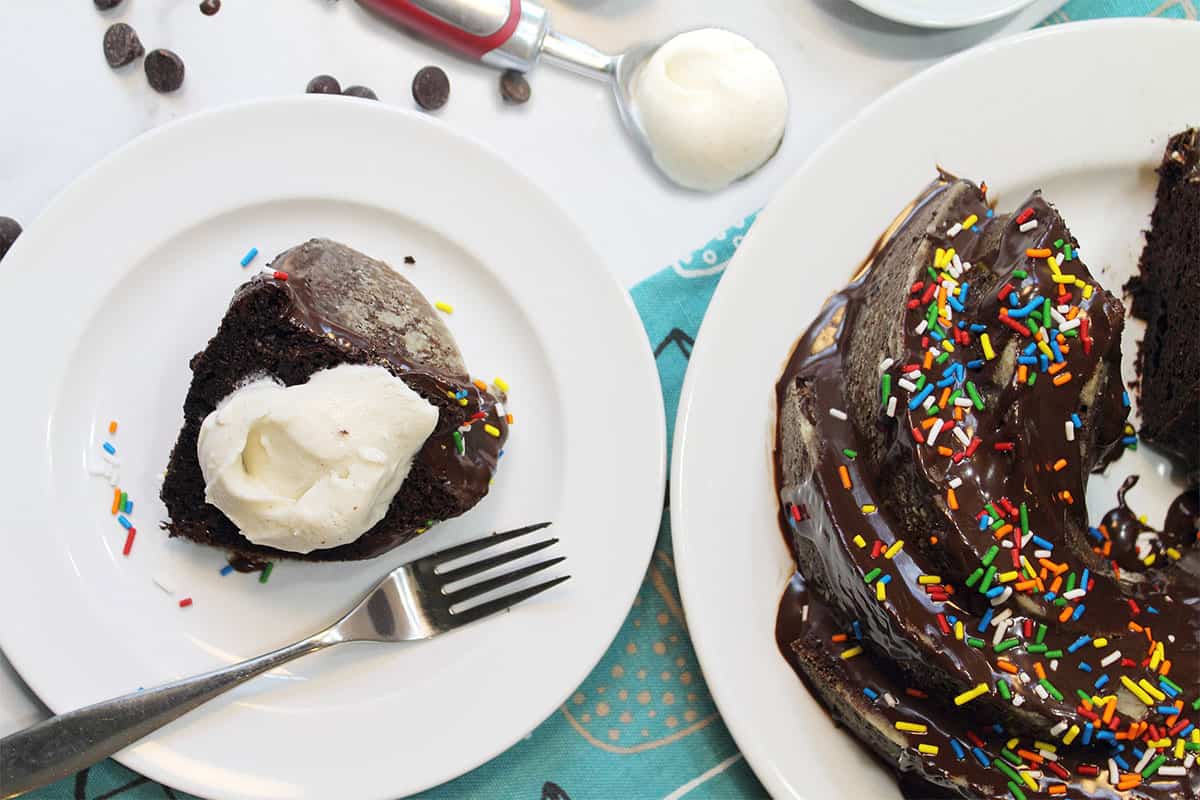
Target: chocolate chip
{"x": 431, "y": 88}
{"x": 210, "y": 7}
{"x": 323, "y": 84}
{"x": 409, "y": 260}
{"x": 164, "y": 70}
{"x": 122, "y": 45}
{"x": 513, "y": 87}
{"x": 360, "y": 91}
{"x": 10, "y": 229}
{"x": 106, "y": 5}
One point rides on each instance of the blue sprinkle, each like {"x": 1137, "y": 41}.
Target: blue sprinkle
{"x": 1167, "y": 710}
{"x": 998, "y": 728}
{"x": 990, "y": 213}
{"x": 944, "y": 382}
{"x": 1078, "y": 643}
{"x": 228, "y": 568}
{"x": 977, "y": 328}
{"x": 1013, "y": 299}
{"x": 958, "y": 749}
{"x": 885, "y": 580}
{"x": 953, "y": 620}
{"x": 919, "y": 398}
{"x": 984, "y": 521}
{"x": 962, "y": 294}
{"x": 108, "y": 448}
{"x": 1166, "y": 687}
{"x": 984, "y": 620}
{"x": 1077, "y": 421}
{"x": 975, "y": 363}
{"x": 128, "y": 508}
{"x": 1188, "y": 730}
{"x": 1096, "y": 534}
{"x": 962, "y": 325}
{"x": 1088, "y": 730}
{"x": 1054, "y": 348}
{"x": 857, "y": 630}
{"x": 1043, "y": 362}
{"x": 955, "y": 303}
{"x": 1125, "y": 399}
{"x": 1106, "y": 736}
{"x": 974, "y": 229}
{"x": 1152, "y": 609}
{"x": 1079, "y": 609}
{"x": 1121, "y": 762}
{"x": 1030, "y": 349}
{"x": 871, "y": 693}
{"x": 1024, "y": 311}
{"x": 936, "y": 336}
{"x": 1028, "y": 361}
{"x": 1129, "y": 440}
{"x": 1083, "y": 582}
{"x": 995, "y": 591}
{"x": 1041, "y": 543}
{"x": 250, "y": 254}
{"x": 1085, "y": 666}
{"x": 1049, "y": 597}
{"x": 125, "y": 523}
{"x": 1099, "y": 684}
{"x": 500, "y": 454}
{"x": 981, "y": 756}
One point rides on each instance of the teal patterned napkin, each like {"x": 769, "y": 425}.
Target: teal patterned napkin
{"x": 643, "y": 724}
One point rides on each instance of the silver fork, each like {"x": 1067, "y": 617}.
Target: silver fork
{"x": 411, "y": 603}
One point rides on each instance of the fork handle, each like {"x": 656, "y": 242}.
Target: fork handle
{"x": 67, "y": 743}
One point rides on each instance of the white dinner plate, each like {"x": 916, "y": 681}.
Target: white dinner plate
{"x": 943, "y": 13}
{"x": 1048, "y": 109}
{"x": 126, "y": 275}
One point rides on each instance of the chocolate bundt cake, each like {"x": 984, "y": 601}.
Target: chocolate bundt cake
{"x": 1166, "y": 294}
{"x": 322, "y": 305}
{"x": 936, "y": 428}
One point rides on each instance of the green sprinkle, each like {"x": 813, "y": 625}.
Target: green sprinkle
{"x": 1054, "y": 654}
{"x": 1058, "y": 242}
{"x": 933, "y": 410}
{"x": 1052, "y": 689}
{"x": 957, "y": 393}
{"x": 990, "y": 555}
{"x": 974, "y": 577}
{"x": 974, "y": 394}
{"x": 987, "y": 579}
{"x": 1192, "y": 747}
{"x": 872, "y": 575}
{"x": 1011, "y": 757}
{"x": 460, "y": 447}
{"x": 1084, "y": 696}
{"x": 1195, "y": 703}
{"x": 997, "y": 524}
{"x": 976, "y": 642}
{"x": 932, "y": 272}
{"x": 1067, "y": 254}
{"x": 1060, "y": 601}
{"x": 1015, "y": 791}
{"x": 1020, "y": 273}
{"x": 885, "y": 387}
{"x": 1032, "y": 378}
{"x": 266, "y": 573}
{"x": 1007, "y": 644}
{"x": 1036, "y": 648}
{"x": 1006, "y": 769}
{"x": 991, "y": 509}
{"x": 1033, "y": 323}
{"x": 942, "y": 358}
{"x": 851, "y": 454}
{"x": 920, "y": 384}
{"x": 1002, "y": 688}
{"x": 1024, "y": 519}
{"x": 1070, "y": 582}
{"x": 1071, "y": 333}
{"x": 1153, "y": 766}
{"x": 1041, "y": 633}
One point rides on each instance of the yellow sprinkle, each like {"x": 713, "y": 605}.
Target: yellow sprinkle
{"x": 928, "y": 579}
{"x": 939, "y": 258}
{"x": 492, "y": 430}
{"x": 450, "y": 395}
{"x": 1157, "y": 656}
{"x": 1149, "y": 560}
{"x": 1087, "y": 291}
{"x": 971, "y": 694}
{"x": 1136, "y": 690}
{"x": 859, "y": 540}
{"x": 1100, "y": 642}
{"x": 1152, "y": 690}
{"x": 1070, "y": 734}
{"x": 1196, "y": 735}
{"x": 911, "y": 727}
{"x": 929, "y": 749}
{"x": 1174, "y": 554}
{"x": 986, "y": 343}
{"x": 500, "y": 384}
{"x": 1029, "y": 781}
{"x": 1079, "y": 284}
{"x": 1179, "y": 745}
{"x": 1052, "y": 262}
{"x": 1049, "y": 747}
{"x": 869, "y": 508}
{"x": 895, "y": 548}
{"x": 1011, "y": 575}
{"x": 1063, "y": 279}
{"x": 1046, "y": 351}
{"x": 958, "y": 630}
{"x": 971, "y": 220}
{"x": 1012, "y": 743}
{"x": 881, "y": 591}
{"x": 440, "y": 306}
{"x": 851, "y": 653}
{"x": 949, "y": 348}
{"x": 462, "y": 401}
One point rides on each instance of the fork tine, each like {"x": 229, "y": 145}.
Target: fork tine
{"x": 476, "y": 589}
{"x": 502, "y": 603}
{"x": 484, "y": 564}
{"x": 482, "y": 543}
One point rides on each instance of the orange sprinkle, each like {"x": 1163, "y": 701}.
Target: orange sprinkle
{"x": 1129, "y": 781}
{"x": 838, "y": 637}
{"x": 508, "y": 418}
{"x": 1073, "y": 313}
{"x": 1006, "y": 666}
{"x": 480, "y": 385}
{"x": 1066, "y": 348}
{"x": 944, "y": 451}
{"x": 1039, "y": 670}
{"x": 1038, "y": 252}
{"x": 1021, "y": 374}
{"x": 1029, "y": 755}
{"x": 1165, "y": 667}
{"x": 1066, "y": 497}
{"x": 958, "y": 413}
{"x": 952, "y": 499}
{"x": 928, "y": 359}
{"x": 1066, "y": 613}
{"x": 116, "y": 506}
{"x": 1005, "y": 530}
{"x": 845, "y": 475}
{"x": 1057, "y": 789}
{"x": 945, "y": 396}
{"x": 928, "y": 422}
{"x": 1057, "y": 569}
{"x": 1060, "y": 465}
{"x": 1133, "y": 626}
{"x": 1059, "y": 380}
{"x": 1057, "y": 367}
{"x": 1109, "y": 710}
{"x": 1025, "y": 586}
{"x": 934, "y": 540}
{"x": 1057, "y": 584}
{"x": 112, "y": 427}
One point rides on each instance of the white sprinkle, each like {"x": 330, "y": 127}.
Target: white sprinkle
{"x": 111, "y": 459}
{"x": 1041, "y": 692}
{"x": 1146, "y": 758}
{"x": 1002, "y": 598}
{"x": 1061, "y": 727}
{"x": 957, "y": 262}
{"x": 1018, "y": 701}
{"x": 962, "y": 437}
{"x": 159, "y": 583}
{"x": 1111, "y": 658}
{"x": 500, "y": 410}
{"x": 1042, "y": 554}
{"x": 920, "y": 329}
{"x": 1002, "y": 617}
{"x": 804, "y": 613}
{"x": 955, "y": 482}
{"x": 1189, "y": 760}
{"x": 907, "y": 385}
{"x": 963, "y": 402}
{"x": 1071, "y": 324}
{"x": 913, "y": 374}
{"x": 891, "y": 701}
{"x": 966, "y": 266}
{"x": 1171, "y": 638}
{"x": 1114, "y": 775}
{"x": 886, "y": 364}
{"x": 1028, "y": 226}
{"x": 1024, "y": 676}
{"x": 837, "y": 413}
{"x": 1172, "y": 772}
{"x": 927, "y": 403}
{"x": 1074, "y": 594}
{"x": 998, "y": 636}
{"x": 1059, "y": 259}
{"x": 1006, "y": 543}
{"x": 891, "y": 409}
{"x": 1058, "y": 317}
{"x": 1046, "y": 754}
{"x": 1054, "y": 664}
{"x": 1069, "y": 427}
{"x": 934, "y": 431}
{"x": 955, "y": 229}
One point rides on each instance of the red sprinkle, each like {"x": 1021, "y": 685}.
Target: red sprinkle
{"x": 1028, "y": 628}
{"x": 975, "y": 740}
{"x": 1090, "y": 770}
{"x": 1056, "y": 769}
{"x": 943, "y": 624}
{"x": 916, "y": 287}
{"x": 876, "y": 549}
{"x": 280, "y": 276}
{"x": 929, "y": 293}
{"x": 1183, "y": 723}
{"x": 916, "y": 432}
{"x": 1024, "y": 216}
{"x": 1084, "y": 337}
{"x": 1016, "y": 326}
{"x": 1134, "y": 607}
{"x": 913, "y": 303}
{"x": 1004, "y": 447}
{"x": 185, "y": 602}
{"x": 1004, "y": 291}
{"x": 129, "y": 541}
{"x": 974, "y": 445}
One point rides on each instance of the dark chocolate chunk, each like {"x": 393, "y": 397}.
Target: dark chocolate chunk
{"x": 409, "y": 260}
{"x": 431, "y": 88}
{"x": 164, "y": 70}
{"x": 209, "y": 7}
{"x": 122, "y": 45}
{"x": 323, "y": 84}
{"x": 360, "y": 91}
{"x": 106, "y": 5}
{"x": 513, "y": 87}
{"x": 10, "y": 229}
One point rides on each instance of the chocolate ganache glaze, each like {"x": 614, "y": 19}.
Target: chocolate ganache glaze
{"x": 937, "y": 425}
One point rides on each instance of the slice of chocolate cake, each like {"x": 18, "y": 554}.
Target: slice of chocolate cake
{"x": 1166, "y": 294}
{"x": 321, "y": 306}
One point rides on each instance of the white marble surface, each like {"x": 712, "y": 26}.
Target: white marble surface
{"x": 62, "y": 108}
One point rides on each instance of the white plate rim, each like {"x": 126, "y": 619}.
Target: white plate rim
{"x": 694, "y": 581}
{"x": 643, "y": 515}
{"x": 963, "y": 18}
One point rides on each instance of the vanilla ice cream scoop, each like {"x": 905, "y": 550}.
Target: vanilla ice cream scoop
{"x": 316, "y": 465}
